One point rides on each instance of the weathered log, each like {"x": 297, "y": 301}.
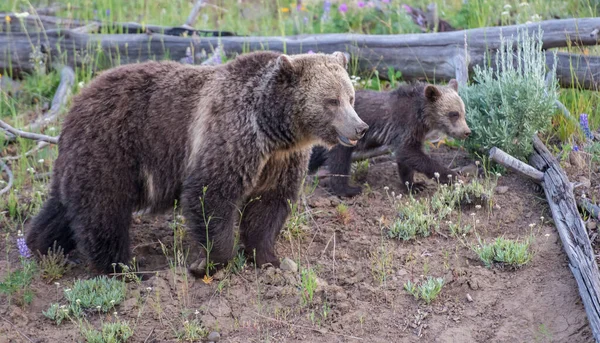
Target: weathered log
{"x": 501, "y": 157}
{"x": 61, "y": 96}
{"x": 572, "y": 232}
{"x": 40, "y": 23}
{"x": 586, "y": 205}
{"x": 27, "y": 135}
{"x": 428, "y": 56}
{"x": 4, "y": 167}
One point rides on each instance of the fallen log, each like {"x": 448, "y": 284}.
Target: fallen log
{"x": 570, "y": 226}
{"x": 430, "y": 56}
{"x": 59, "y": 101}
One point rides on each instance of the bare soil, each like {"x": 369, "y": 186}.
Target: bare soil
{"x": 536, "y": 303}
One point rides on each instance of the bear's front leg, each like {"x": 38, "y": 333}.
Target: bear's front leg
{"x": 411, "y": 158}
{"x": 267, "y": 208}
{"x": 209, "y": 212}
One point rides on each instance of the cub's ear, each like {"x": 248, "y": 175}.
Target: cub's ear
{"x": 432, "y": 92}
{"x": 453, "y": 84}
{"x": 284, "y": 63}
{"x": 342, "y": 58}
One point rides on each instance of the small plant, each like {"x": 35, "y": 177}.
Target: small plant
{"x": 296, "y": 223}
{"x": 507, "y": 106}
{"x": 361, "y": 169}
{"x": 381, "y": 264}
{"x": 192, "y": 331}
{"x": 343, "y": 213}
{"x": 309, "y": 285}
{"x": 54, "y": 264}
{"x": 58, "y": 313}
{"x": 117, "y": 332}
{"x": 17, "y": 283}
{"x": 415, "y": 218}
{"x": 100, "y": 293}
{"x": 505, "y": 252}
{"x": 427, "y": 291}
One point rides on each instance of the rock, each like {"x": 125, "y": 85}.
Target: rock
{"x": 469, "y": 298}
{"x": 469, "y": 170}
{"x": 213, "y": 336}
{"x": 591, "y": 225}
{"x": 576, "y": 160}
{"x": 585, "y": 182}
{"x": 289, "y": 265}
{"x": 501, "y": 189}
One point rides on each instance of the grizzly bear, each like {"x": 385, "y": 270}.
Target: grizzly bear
{"x": 143, "y": 136}
{"x": 403, "y": 119}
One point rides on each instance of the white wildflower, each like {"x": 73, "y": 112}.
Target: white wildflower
{"x": 505, "y": 14}
{"x": 437, "y": 175}
{"x": 523, "y": 4}
{"x": 531, "y": 225}
{"x": 41, "y": 160}
{"x": 473, "y": 214}
{"x": 22, "y": 15}
{"x": 197, "y": 312}
{"x": 67, "y": 290}
{"x": 477, "y": 221}
{"x": 386, "y": 188}
{"x": 148, "y": 289}
{"x": 478, "y": 207}
{"x": 30, "y": 170}
{"x": 81, "y": 84}
{"x": 507, "y": 7}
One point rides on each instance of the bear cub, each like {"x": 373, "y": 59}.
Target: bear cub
{"x": 213, "y": 138}
{"x": 403, "y": 119}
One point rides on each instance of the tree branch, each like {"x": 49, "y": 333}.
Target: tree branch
{"x": 4, "y": 167}
{"x": 28, "y": 135}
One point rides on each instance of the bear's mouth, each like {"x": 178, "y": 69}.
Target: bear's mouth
{"x": 346, "y": 142}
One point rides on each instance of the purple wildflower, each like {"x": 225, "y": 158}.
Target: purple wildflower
{"x": 305, "y": 19}
{"x": 310, "y": 52}
{"x": 23, "y": 249}
{"x": 407, "y": 8}
{"x": 585, "y": 126}
{"x": 326, "y": 9}
{"x": 386, "y": 1}
{"x": 575, "y": 148}
{"x": 361, "y": 4}
{"x": 343, "y": 8}
{"x": 108, "y": 12}
{"x": 420, "y": 20}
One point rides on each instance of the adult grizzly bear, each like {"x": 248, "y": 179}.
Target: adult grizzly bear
{"x": 144, "y": 135}
{"x": 403, "y": 119}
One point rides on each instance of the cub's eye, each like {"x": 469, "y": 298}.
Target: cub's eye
{"x": 333, "y": 102}
{"x": 453, "y": 115}
{"x": 351, "y": 100}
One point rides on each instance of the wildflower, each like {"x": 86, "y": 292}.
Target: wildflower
{"x": 7, "y": 18}
{"x": 393, "y": 194}
{"x": 532, "y": 225}
{"x": 498, "y": 174}
{"x": 585, "y": 126}
{"x": 343, "y": 8}
{"x": 575, "y": 148}
{"x": 536, "y": 17}
{"x": 197, "y": 312}
{"x": 326, "y": 9}
{"x": 98, "y": 308}
{"x": 67, "y": 290}
{"x": 407, "y": 8}
{"x": 542, "y": 218}
{"x": 285, "y": 10}
{"x": 476, "y": 163}
{"x": 23, "y": 249}
{"x": 361, "y": 4}
{"x": 399, "y": 196}
{"x": 437, "y": 175}
{"x": 112, "y": 301}
{"x": 386, "y": 188}
{"x": 523, "y": 4}
{"x": 41, "y": 160}
{"x": 63, "y": 306}
{"x": 148, "y": 289}
{"x": 52, "y": 129}
{"x": 78, "y": 301}
{"x": 507, "y": 7}
{"x": 547, "y": 235}
{"x": 22, "y": 15}
{"x": 188, "y": 59}
{"x": 406, "y": 183}
{"x": 478, "y": 207}
{"x": 473, "y": 214}
{"x": 108, "y": 12}
{"x": 305, "y": 20}
{"x": 505, "y": 14}
{"x": 115, "y": 313}
{"x": 386, "y": 1}
{"x": 449, "y": 222}
{"x": 477, "y": 221}
{"x": 31, "y": 170}
{"x": 310, "y": 52}
{"x": 449, "y": 176}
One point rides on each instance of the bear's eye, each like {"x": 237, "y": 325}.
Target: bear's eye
{"x": 333, "y": 102}
{"x": 453, "y": 115}
{"x": 351, "y": 100}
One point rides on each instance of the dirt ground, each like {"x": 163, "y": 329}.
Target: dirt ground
{"x": 537, "y": 303}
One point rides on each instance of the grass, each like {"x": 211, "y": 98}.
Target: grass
{"x": 117, "y": 332}
{"x": 427, "y": 290}
{"x": 53, "y": 264}
{"x": 504, "y": 252}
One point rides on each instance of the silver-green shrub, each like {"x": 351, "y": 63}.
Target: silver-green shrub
{"x": 508, "y": 104}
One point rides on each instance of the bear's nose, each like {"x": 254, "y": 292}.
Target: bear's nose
{"x": 467, "y": 134}
{"x": 361, "y": 130}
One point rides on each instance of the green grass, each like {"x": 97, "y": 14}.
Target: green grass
{"x": 504, "y": 252}
{"x": 427, "y": 290}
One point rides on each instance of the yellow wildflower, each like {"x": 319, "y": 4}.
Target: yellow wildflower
{"x": 285, "y": 10}
{"x": 7, "y": 18}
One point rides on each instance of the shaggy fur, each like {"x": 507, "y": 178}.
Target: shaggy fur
{"x": 403, "y": 119}
{"x": 145, "y": 135}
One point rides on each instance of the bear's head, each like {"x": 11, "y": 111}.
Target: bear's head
{"x": 324, "y": 97}
{"x": 444, "y": 110}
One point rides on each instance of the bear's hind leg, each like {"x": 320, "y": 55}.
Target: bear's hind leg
{"x": 339, "y": 162}
{"x": 102, "y": 231}
{"x": 48, "y": 226}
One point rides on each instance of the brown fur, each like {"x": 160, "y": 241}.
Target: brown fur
{"x": 402, "y": 118}
{"x": 145, "y": 135}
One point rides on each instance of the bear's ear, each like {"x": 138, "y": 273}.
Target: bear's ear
{"x": 432, "y": 92}
{"x": 453, "y": 84}
{"x": 284, "y": 63}
{"x": 342, "y": 58}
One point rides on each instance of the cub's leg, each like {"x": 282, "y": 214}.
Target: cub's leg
{"x": 263, "y": 218}
{"x": 339, "y": 162}
{"x": 411, "y": 158}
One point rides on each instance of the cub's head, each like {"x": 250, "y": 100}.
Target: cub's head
{"x": 445, "y": 110}
{"x": 323, "y": 98}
